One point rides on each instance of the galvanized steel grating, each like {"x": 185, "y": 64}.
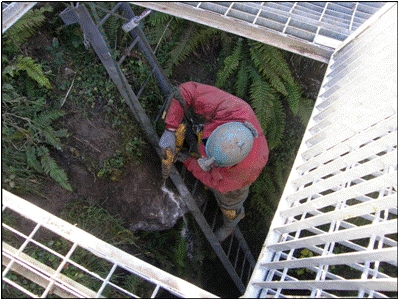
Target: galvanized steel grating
{"x": 335, "y": 230}
{"x": 74, "y": 263}
{"x": 311, "y": 29}
{"x": 305, "y": 20}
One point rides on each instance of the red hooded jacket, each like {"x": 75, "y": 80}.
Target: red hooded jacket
{"x": 219, "y": 107}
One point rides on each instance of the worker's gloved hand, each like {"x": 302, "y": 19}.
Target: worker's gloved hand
{"x": 167, "y": 140}
{"x": 205, "y": 163}
{"x": 182, "y": 157}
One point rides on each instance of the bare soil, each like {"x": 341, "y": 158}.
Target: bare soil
{"x": 134, "y": 194}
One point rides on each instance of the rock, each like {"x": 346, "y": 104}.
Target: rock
{"x": 161, "y": 213}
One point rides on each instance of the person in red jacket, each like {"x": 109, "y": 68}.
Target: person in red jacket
{"x": 234, "y": 149}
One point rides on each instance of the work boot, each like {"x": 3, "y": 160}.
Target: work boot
{"x": 223, "y": 232}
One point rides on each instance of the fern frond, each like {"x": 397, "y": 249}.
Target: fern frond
{"x": 61, "y": 133}
{"x": 180, "y": 252}
{"x": 274, "y": 58}
{"x": 158, "y": 18}
{"x": 275, "y": 128}
{"x": 262, "y": 97}
{"x": 51, "y": 168}
{"x": 258, "y": 58}
{"x": 242, "y": 81}
{"x": 32, "y": 159}
{"x": 227, "y": 43}
{"x": 50, "y": 137}
{"x": 47, "y": 117}
{"x": 231, "y": 63}
{"x": 293, "y": 97}
{"x": 34, "y": 70}
{"x": 25, "y": 27}
{"x": 305, "y": 109}
{"x": 112, "y": 25}
{"x": 264, "y": 191}
{"x": 180, "y": 51}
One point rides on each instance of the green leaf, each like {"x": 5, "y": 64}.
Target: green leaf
{"x": 294, "y": 97}
{"x": 261, "y": 63}
{"x": 47, "y": 117}
{"x": 34, "y": 71}
{"x": 32, "y": 160}
{"x": 231, "y": 63}
{"x": 51, "y": 168}
{"x": 50, "y": 137}
{"x": 243, "y": 79}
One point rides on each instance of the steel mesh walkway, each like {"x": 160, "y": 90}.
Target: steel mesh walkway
{"x": 62, "y": 274}
{"x": 335, "y": 230}
{"x": 311, "y": 29}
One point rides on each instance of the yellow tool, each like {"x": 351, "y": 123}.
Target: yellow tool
{"x": 168, "y": 161}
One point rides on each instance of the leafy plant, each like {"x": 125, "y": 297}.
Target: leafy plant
{"x": 26, "y": 26}
{"x": 28, "y": 137}
{"x": 112, "y": 167}
{"x": 27, "y": 64}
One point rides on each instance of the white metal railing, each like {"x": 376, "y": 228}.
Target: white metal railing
{"x": 12, "y": 12}
{"x": 335, "y": 230}
{"x": 41, "y": 279}
{"x": 311, "y": 29}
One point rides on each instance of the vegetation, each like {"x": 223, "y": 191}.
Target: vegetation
{"x": 35, "y": 89}
{"x": 28, "y": 134}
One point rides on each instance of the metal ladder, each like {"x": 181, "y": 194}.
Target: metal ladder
{"x": 234, "y": 252}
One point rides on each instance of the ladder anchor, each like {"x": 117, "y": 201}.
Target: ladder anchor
{"x": 135, "y": 21}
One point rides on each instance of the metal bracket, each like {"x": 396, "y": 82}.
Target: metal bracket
{"x": 135, "y": 21}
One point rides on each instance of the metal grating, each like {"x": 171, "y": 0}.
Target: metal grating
{"x": 61, "y": 274}
{"x": 335, "y": 231}
{"x": 312, "y": 29}
{"x": 12, "y": 12}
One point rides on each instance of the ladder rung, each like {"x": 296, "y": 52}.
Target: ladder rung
{"x": 249, "y": 273}
{"x": 230, "y": 246}
{"x": 215, "y": 219}
{"x": 243, "y": 264}
{"x": 195, "y": 187}
{"x": 145, "y": 84}
{"x": 237, "y": 256}
{"x": 129, "y": 50}
{"x": 109, "y": 13}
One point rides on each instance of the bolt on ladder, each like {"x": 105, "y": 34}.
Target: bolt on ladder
{"x": 233, "y": 253}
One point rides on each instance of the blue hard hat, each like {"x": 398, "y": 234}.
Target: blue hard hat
{"x": 229, "y": 144}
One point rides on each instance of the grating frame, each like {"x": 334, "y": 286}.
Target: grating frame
{"x": 37, "y": 267}
{"x": 335, "y": 230}
{"x": 311, "y": 29}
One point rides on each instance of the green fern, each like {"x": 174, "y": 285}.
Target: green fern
{"x": 161, "y": 27}
{"x": 305, "y": 110}
{"x": 31, "y": 159}
{"x": 275, "y": 60}
{"x": 25, "y": 27}
{"x": 294, "y": 97}
{"x": 45, "y": 118}
{"x": 231, "y": 64}
{"x": 180, "y": 252}
{"x": 27, "y": 134}
{"x": 265, "y": 68}
{"x": 243, "y": 78}
{"x": 34, "y": 70}
{"x": 111, "y": 26}
{"x": 51, "y": 168}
